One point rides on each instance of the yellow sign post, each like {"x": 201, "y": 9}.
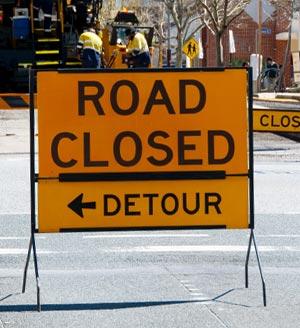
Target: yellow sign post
{"x": 191, "y": 48}
{"x": 142, "y": 149}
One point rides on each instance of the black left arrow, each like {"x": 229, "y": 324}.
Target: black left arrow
{"x": 77, "y": 205}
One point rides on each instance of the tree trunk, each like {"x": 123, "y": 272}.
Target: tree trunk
{"x": 179, "y": 49}
{"x": 218, "y": 49}
{"x": 281, "y": 83}
{"x": 160, "y": 55}
{"x": 287, "y": 52}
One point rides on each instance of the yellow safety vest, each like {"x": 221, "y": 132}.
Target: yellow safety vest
{"x": 90, "y": 40}
{"x": 138, "y": 43}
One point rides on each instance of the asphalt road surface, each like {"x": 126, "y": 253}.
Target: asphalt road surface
{"x": 187, "y": 278}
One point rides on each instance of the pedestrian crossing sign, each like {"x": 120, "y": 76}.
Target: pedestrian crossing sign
{"x": 191, "y": 48}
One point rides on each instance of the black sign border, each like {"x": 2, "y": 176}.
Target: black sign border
{"x": 72, "y": 177}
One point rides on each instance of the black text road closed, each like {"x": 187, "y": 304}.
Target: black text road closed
{"x": 162, "y": 121}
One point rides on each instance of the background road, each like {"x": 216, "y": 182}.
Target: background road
{"x": 188, "y": 278}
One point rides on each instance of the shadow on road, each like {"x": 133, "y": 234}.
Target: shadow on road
{"x": 109, "y": 306}
{"x": 89, "y": 306}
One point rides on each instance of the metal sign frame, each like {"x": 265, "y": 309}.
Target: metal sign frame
{"x": 168, "y": 92}
{"x": 34, "y": 178}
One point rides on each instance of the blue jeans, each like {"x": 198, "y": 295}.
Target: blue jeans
{"x": 90, "y": 58}
{"x": 142, "y": 60}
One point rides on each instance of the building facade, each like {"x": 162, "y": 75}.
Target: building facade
{"x": 245, "y": 32}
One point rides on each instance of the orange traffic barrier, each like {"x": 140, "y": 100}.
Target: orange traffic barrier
{"x": 14, "y": 101}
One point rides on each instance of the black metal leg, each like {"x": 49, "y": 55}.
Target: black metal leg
{"x": 26, "y": 265}
{"x": 259, "y": 266}
{"x": 33, "y": 248}
{"x": 33, "y": 180}
{"x": 36, "y": 275}
{"x": 247, "y": 258}
{"x": 260, "y": 272}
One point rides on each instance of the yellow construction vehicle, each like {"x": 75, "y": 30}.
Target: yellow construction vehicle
{"x": 24, "y": 42}
{"x": 114, "y": 38}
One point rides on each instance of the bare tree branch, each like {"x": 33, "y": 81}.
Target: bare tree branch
{"x": 219, "y": 15}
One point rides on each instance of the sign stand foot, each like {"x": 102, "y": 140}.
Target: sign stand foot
{"x": 26, "y": 266}
{"x": 252, "y": 238}
{"x": 33, "y": 248}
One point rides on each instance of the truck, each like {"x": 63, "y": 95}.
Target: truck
{"x": 24, "y": 43}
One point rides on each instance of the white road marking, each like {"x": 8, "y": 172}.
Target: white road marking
{"x": 203, "y": 301}
{"x": 20, "y": 238}
{"x": 15, "y": 213}
{"x": 193, "y": 291}
{"x": 279, "y": 236}
{"x": 191, "y": 248}
{"x": 145, "y": 236}
{"x": 159, "y": 249}
{"x": 201, "y": 298}
{"x": 292, "y": 249}
{"x": 19, "y": 251}
{"x": 15, "y": 159}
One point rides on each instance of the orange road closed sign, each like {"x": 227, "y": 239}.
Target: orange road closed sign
{"x": 123, "y": 149}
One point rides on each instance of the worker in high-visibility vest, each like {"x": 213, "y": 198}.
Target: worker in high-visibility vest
{"x": 90, "y": 49}
{"x": 46, "y": 6}
{"x": 138, "y": 54}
